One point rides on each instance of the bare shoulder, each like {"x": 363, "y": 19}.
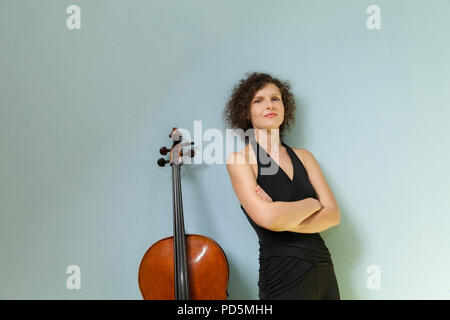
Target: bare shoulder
{"x": 304, "y": 155}
{"x": 243, "y": 181}
{"x": 242, "y": 156}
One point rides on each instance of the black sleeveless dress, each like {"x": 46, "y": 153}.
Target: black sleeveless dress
{"x": 292, "y": 265}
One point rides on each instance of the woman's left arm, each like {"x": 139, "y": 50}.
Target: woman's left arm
{"x": 319, "y": 221}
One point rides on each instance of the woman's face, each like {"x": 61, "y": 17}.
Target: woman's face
{"x": 266, "y": 101}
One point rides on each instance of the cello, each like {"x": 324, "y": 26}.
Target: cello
{"x": 182, "y": 266}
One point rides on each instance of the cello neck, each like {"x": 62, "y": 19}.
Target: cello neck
{"x": 181, "y": 277}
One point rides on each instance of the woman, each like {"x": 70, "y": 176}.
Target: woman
{"x": 287, "y": 207}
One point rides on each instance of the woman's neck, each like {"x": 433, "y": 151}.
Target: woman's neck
{"x": 269, "y": 139}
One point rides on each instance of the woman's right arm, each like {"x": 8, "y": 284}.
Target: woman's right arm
{"x": 275, "y": 216}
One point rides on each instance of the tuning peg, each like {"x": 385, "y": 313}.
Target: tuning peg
{"x": 162, "y": 162}
{"x": 192, "y": 150}
{"x": 163, "y": 150}
{"x": 189, "y": 153}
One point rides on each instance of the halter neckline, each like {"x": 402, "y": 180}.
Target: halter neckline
{"x": 288, "y": 149}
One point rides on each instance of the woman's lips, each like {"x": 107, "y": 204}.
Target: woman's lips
{"x": 270, "y": 115}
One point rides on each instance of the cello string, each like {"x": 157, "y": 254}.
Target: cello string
{"x": 178, "y": 242}
{"x": 181, "y": 253}
{"x": 177, "y": 245}
{"x": 183, "y": 241}
{"x": 174, "y": 191}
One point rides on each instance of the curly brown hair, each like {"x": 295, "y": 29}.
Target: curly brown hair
{"x": 237, "y": 110}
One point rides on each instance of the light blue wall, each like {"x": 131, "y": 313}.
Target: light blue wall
{"x": 84, "y": 112}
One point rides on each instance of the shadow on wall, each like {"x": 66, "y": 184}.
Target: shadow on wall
{"x": 345, "y": 248}
{"x": 343, "y": 240}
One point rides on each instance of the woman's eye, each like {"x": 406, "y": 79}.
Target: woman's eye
{"x": 273, "y": 98}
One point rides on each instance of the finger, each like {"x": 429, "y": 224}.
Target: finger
{"x": 260, "y": 194}
{"x": 263, "y": 192}
{"x": 268, "y": 198}
{"x": 264, "y": 196}
{"x": 260, "y": 191}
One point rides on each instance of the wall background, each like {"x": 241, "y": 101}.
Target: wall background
{"x": 84, "y": 112}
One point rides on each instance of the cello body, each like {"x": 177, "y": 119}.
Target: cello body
{"x": 207, "y": 269}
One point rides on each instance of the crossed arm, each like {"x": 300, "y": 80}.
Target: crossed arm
{"x": 326, "y": 217}
{"x": 319, "y": 221}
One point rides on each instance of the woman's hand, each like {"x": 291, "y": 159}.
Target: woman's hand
{"x": 260, "y": 192}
